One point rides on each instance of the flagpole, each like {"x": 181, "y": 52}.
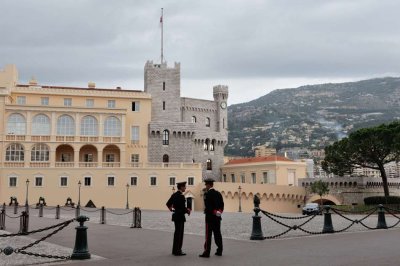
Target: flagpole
{"x": 162, "y": 35}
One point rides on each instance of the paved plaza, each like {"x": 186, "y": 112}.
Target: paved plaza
{"x": 116, "y": 243}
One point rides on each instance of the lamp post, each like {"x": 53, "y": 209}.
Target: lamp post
{"x": 240, "y": 198}
{"x": 127, "y": 201}
{"x": 79, "y": 193}
{"x": 173, "y": 190}
{"x": 26, "y": 196}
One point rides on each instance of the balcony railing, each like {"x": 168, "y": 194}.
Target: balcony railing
{"x": 102, "y": 165}
{"x": 40, "y": 138}
{"x": 15, "y": 137}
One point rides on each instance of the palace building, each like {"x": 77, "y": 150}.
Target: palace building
{"x": 111, "y": 146}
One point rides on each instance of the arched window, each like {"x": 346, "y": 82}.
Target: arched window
{"x": 41, "y": 125}
{"x": 15, "y": 152}
{"x": 112, "y": 126}
{"x": 209, "y": 164}
{"x": 89, "y": 126}
{"x": 208, "y": 122}
{"x": 165, "y": 137}
{"x": 194, "y": 119}
{"x": 165, "y": 158}
{"x": 65, "y": 126}
{"x": 207, "y": 145}
{"x": 40, "y": 153}
{"x": 16, "y": 124}
{"x": 212, "y": 145}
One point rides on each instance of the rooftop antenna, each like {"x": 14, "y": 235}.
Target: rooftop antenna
{"x": 162, "y": 35}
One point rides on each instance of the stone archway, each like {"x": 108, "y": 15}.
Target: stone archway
{"x": 326, "y": 200}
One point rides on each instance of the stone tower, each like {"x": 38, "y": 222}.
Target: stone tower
{"x": 185, "y": 129}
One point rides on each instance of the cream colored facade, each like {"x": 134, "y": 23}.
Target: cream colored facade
{"x": 273, "y": 178}
{"x": 57, "y": 136}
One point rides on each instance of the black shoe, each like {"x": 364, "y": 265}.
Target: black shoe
{"x": 218, "y": 253}
{"x": 204, "y": 255}
{"x": 179, "y": 254}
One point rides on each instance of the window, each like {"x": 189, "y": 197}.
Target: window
{"x": 194, "y": 119}
{"x": 133, "y": 180}
{"x": 40, "y": 153}
{"x": 111, "y": 104}
{"x": 165, "y": 137}
{"x": 16, "y": 124}
{"x": 165, "y": 159}
{"x": 111, "y": 181}
{"x": 212, "y": 145}
{"x": 209, "y": 164}
{"x": 135, "y": 160}
{"x": 44, "y": 100}
{"x": 208, "y": 122}
{"x": 112, "y": 126}
{"x": 63, "y": 181}
{"x": 242, "y": 178}
{"x": 67, "y": 102}
{"x": 291, "y": 177}
{"x": 21, "y": 100}
{"x": 110, "y": 158}
{"x": 190, "y": 181}
{"x": 38, "y": 181}
{"x": 88, "y": 157}
{"x": 253, "y": 178}
{"x": 172, "y": 181}
{"x": 233, "y": 179}
{"x": 163, "y": 86}
{"x": 89, "y": 102}
{"x": 163, "y": 105}
{"x": 12, "y": 181}
{"x": 265, "y": 177}
{"x": 224, "y": 177}
{"x": 65, "y": 126}
{"x": 89, "y": 126}
{"x": 206, "y": 145}
{"x": 135, "y": 106}
{"x": 134, "y": 134}
{"x": 87, "y": 181}
{"x": 41, "y": 125}
{"x": 15, "y": 152}
{"x": 153, "y": 181}
{"x": 223, "y": 122}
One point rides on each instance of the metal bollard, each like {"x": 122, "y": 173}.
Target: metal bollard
{"x": 328, "y": 227}
{"x": 4, "y": 206}
{"x": 133, "y": 218}
{"x": 15, "y": 208}
{"x": 58, "y": 212}
{"x": 77, "y": 211}
{"x": 103, "y": 215}
{"x": 138, "y": 218}
{"x": 40, "y": 210}
{"x": 24, "y": 223}
{"x": 27, "y": 208}
{"x": 3, "y": 219}
{"x": 256, "y": 231}
{"x": 81, "y": 251}
{"x": 381, "y": 218}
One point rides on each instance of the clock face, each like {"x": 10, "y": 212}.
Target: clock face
{"x": 223, "y": 105}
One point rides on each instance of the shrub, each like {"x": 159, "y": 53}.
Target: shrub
{"x": 382, "y": 200}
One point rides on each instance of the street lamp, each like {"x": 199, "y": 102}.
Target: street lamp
{"x": 173, "y": 190}
{"x": 79, "y": 195}
{"x": 26, "y": 197}
{"x": 240, "y": 198}
{"x": 127, "y": 189}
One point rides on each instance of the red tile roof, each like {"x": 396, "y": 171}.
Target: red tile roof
{"x": 271, "y": 158}
{"x": 77, "y": 88}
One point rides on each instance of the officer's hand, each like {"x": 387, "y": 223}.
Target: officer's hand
{"x": 218, "y": 214}
{"x": 189, "y": 211}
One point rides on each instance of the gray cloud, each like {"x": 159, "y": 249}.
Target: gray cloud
{"x": 72, "y": 42}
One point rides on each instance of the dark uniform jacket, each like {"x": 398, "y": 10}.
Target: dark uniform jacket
{"x": 213, "y": 202}
{"x": 178, "y": 202}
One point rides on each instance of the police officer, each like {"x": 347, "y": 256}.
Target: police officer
{"x": 177, "y": 205}
{"x": 213, "y": 208}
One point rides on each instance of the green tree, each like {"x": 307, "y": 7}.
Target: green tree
{"x": 367, "y": 147}
{"x": 321, "y": 188}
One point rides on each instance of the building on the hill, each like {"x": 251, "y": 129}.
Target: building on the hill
{"x": 263, "y": 151}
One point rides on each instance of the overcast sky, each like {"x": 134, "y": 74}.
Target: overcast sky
{"x": 251, "y": 46}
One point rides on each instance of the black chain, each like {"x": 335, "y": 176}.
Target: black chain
{"x": 45, "y": 256}
{"x": 355, "y": 212}
{"x": 12, "y": 217}
{"x": 119, "y": 213}
{"x": 288, "y": 217}
{"x": 49, "y": 208}
{"x": 344, "y": 229}
{"x": 393, "y": 210}
{"x": 90, "y": 210}
{"x": 71, "y": 209}
{"x": 38, "y": 230}
{"x": 278, "y": 235}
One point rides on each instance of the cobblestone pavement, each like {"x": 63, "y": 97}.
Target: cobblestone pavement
{"x": 234, "y": 225}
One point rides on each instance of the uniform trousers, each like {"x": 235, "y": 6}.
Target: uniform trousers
{"x": 178, "y": 237}
{"x": 213, "y": 226}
